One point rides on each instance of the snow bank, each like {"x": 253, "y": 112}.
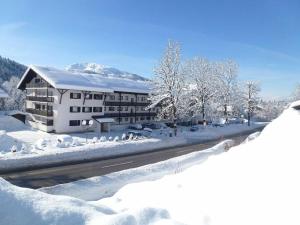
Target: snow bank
{"x": 7, "y": 143}
{"x": 254, "y": 183}
{"x": 21, "y": 206}
{"x": 85, "y": 152}
{"x": 104, "y": 186}
{"x": 24, "y": 206}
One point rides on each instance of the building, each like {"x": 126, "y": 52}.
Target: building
{"x": 60, "y": 101}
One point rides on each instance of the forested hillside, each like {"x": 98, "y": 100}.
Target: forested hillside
{"x": 10, "y": 73}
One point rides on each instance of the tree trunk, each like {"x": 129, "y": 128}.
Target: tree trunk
{"x": 248, "y": 118}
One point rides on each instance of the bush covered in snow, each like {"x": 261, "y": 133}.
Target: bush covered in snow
{"x": 116, "y": 139}
{"x": 102, "y": 139}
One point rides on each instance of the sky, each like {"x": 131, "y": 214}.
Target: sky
{"x": 262, "y": 36}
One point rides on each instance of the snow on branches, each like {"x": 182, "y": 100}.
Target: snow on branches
{"x": 169, "y": 84}
{"x": 250, "y": 97}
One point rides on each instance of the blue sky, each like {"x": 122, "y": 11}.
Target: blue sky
{"x": 263, "y": 36}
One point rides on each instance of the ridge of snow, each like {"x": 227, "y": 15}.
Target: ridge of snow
{"x": 106, "y": 71}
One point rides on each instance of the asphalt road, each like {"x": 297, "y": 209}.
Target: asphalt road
{"x": 44, "y": 177}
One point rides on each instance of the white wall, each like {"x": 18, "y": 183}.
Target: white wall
{"x": 62, "y": 114}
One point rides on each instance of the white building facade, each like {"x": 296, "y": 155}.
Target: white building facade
{"x": 63, "y": 102}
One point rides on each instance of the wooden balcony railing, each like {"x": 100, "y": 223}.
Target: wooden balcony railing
{"x": 47, "y": 113}
{"x": 40, "y": 99}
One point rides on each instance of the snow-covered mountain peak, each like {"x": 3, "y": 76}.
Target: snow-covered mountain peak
{"x": 102, "y": 70}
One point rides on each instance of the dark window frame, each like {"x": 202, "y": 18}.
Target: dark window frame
{"x": 74, "y": 123}
{"x": 72, "y": 95}
{"x": 90, "y": 109}
{"x": 94, "y": 109}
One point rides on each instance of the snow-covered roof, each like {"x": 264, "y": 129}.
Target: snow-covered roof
{"x": 3, "y": 94}
{"x": 62, "y": 79}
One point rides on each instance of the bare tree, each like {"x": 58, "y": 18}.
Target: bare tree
{"x": 251, "y": 91}
{"x": 169, "y": 84}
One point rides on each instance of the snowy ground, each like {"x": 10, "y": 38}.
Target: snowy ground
{"x": 254, "y": 183}
{"x": 34, "y": 147}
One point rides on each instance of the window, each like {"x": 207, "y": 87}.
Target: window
{"x": 111, "y": 108}
{"x": 120, "y": 120}
{"x": 75, "y": 95}
{"x": 37, "y": 106}
{"x": 74, "y": 109}
{"x": 97, "y": 109}
{"x": 126, "y": 98}
{"x": 98, "y": 96}
{"x": 137, "y": 108}
{"x": 73, "y": 123}
{"x": 87, "y": 109}
{"x": 132, "y": 99}
{"x": 126, "y": 119}
{"x": 112, "y": 97}
{"x": 142, "y": 118}
{"x": 148, "y": 118}
{"x": 120, "y": 108}
{"x": 125, "y": 108}
{"x": 88, "y": 96}
{"x": 37, "y": 80}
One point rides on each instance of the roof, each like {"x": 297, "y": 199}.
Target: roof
{"x": 62, "y": 79}
{"x": 3, "y": 94}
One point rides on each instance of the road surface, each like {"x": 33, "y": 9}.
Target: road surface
{"x": 44, "y": 177}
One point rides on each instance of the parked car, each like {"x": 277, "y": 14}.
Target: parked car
{"x": 171, "y": 125}
{"x": 152, "y": 126}
{"x": 134, "y": 134}
{"x": 136, "y": 126}
{"x": 194, "y": 128}
{"x": 235, "y": 120}
{"x": 219, "y": 123}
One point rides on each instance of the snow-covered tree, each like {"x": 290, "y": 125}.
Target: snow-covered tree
{"x": 227, "y": 74}
{"x": 203, "y": 84}
{"x": 16, "y": 100}
{"x": 296, "y": 93}
{"x": 250, "y": 96}
{"x": 169, "y": 84}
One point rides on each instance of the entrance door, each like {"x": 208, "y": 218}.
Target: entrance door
{"x": 131, "y": 120}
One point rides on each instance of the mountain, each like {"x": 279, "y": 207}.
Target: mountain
{"x": 10, "y": 68}
{"x": 103, "y": 70}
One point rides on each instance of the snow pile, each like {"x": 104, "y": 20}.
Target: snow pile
{"x": 7, "y": 143}
{"x": 254, "y": 183}
{"x": 25, "y": 206}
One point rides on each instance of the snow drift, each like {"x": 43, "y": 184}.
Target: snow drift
{"x": 254, "y": 183}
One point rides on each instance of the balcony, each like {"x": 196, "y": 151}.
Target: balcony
{"x": 40, "y": 99}
{"x": 38, "y": 85}
{"x": 116, "y": 103}
{"x": 41, "y": 120}
{"x": 40, "y": 112}
{"x": 116, "y": 114}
